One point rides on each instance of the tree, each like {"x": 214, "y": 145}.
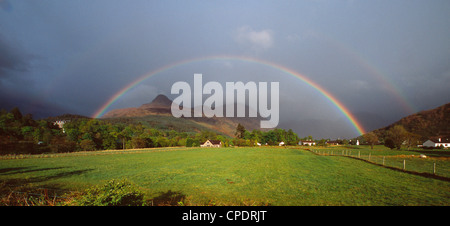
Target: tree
{"x": 189, "y": 142}
{"x": 389, "y": 143}
{"x": 161, "y": 142}
{"x": 87, "y": 145}
{"x": 371, "y": 138}
{"x": 240, "y": 131}
{"x": 17, "y": 114}
{"x": 61, "y": 144}
{"x": 269, "y": 137}
{"x": 257, "y": 135}
{"x": 205, "y": 135}
{"x": 412, "y": 140}
{"x": 397, "y": 134}
{"x": 138, "y": 142}
{"x": 291, "y": 138}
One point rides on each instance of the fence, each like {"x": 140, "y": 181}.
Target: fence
{"x": 410, "y": 163}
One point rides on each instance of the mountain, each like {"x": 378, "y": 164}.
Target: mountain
{"x": 427, "y": 124}
{"x": 158, "y": 114}
{"x": 159, "y": 106}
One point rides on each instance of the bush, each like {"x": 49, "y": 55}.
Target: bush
{"x": 87, "y": 145}
{"x": 113, "y": 193}
{"x": 137, "y": 142}
{"x": 389, "y": 143}
{"x": 189, "y": 142}
{"x": 62, "y": 144}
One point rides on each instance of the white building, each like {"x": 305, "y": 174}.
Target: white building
{"x": 307, "y": 142}
{"x": 60, "y": 124}
{"x": 437, "y": 142}
{"x": 212, "y": 143}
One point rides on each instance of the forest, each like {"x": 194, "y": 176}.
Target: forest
{"x": 20, "y": 134}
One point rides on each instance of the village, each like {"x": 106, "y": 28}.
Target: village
{"x": 443, "y": 143}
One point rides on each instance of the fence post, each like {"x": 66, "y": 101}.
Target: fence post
{"x": 383, "y": 160}
{"x": 404, "y": 164}
{"x": 434, "y": 168}
{"x": 369, "y": 157}
{"x": 359, "y": 154}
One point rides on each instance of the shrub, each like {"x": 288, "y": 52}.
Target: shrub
{"x": 113, "y": 193}
{"x": 137, "y": 142}
{"x": 87, "y": 145}
{"x": 62, "y": 144}
{"x": 189, "y": 142}
{"x": 389, "y": 143}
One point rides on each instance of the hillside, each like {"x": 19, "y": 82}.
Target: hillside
{"x": 427, "y": 124}
{"x": 158, "y": 114}
{"x": 65, "y": 117}
{"x": 159, "y": 106}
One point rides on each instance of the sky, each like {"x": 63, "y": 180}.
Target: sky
{"x": 383, "y": 60}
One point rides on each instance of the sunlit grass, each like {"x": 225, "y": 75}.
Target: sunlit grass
{"x": 233, "y": 176}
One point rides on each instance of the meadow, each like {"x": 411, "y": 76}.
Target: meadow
{"x": 279, "y": 176}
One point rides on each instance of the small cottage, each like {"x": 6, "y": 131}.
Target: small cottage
{"x": 212, "y": 143}
{"x": 332, "y": 142}
{"x": 307, "y": 142}
{"x": 437, "y": 142}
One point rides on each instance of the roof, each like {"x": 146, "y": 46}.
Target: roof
{"x": 443, "y": 139}
{"x": 215, "y": 141}
{"x": 332, "y": 141}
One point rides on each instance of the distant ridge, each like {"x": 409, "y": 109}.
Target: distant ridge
{"x": 427, "y": 124}
{"x": 66, "y": 117}
{"x": 161, "y": 106}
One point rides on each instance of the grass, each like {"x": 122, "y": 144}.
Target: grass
{"x": 436, "y": 162}
{"x": 230, "y": 176}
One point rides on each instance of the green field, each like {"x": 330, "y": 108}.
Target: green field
{"x": 230, "y": 176}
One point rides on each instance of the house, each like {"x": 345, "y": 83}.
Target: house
{"x": 332, "y": 142}
{"x": 281, "y": 143}
{"x": 437, "y": 142}
{"x": 307, "y": 142}
{"x": 60, "y": 124}
{"x": 212, "y": 143}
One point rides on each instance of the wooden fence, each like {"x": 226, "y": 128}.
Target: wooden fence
{"x": 418, "y": 164}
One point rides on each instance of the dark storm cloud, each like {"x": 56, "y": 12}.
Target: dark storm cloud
{"x": 11, "y": 58}
{"x": 90, "y": 50}
{"x": 5, "y": 5}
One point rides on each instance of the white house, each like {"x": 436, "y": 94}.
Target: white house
{"x": 307, "y": 142}
{"x": 60, "y": 124}
{"x": 212, "y": 143}
{"x": 437, "y": 142}
{"x": 332, "y": 142}
{"x": 281, "y": 143}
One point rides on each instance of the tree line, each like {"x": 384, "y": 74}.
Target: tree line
{"x": 395, "y": 137}
{"x": 22, "y": 134}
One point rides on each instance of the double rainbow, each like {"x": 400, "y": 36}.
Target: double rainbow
{"x": 351, "y": 118}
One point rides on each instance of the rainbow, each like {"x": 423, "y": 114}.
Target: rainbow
{"x": 382, "y": 78}
{"x": 351, "y": 118}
